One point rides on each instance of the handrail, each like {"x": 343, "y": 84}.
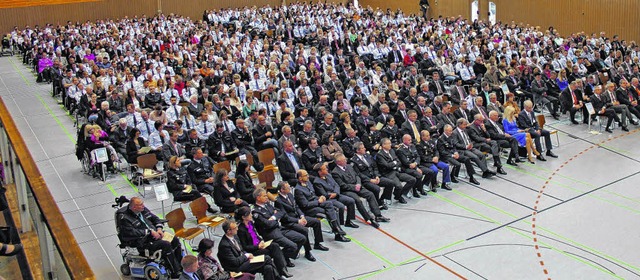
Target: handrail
{"x": 66, "y": 244}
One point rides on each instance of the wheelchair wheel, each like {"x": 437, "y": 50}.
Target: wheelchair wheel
{"x": 125, "y": 269}
{"x": 103, "y": 171}
{"x": 153, "y": 273}
{"x": 86, "y": 162}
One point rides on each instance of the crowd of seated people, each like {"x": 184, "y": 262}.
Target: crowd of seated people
{"x": 355, "y": 102}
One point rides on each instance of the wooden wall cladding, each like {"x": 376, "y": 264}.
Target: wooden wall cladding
{"x": 620, "y": 17}
{"x": 196, "y": 7}
{"x": 570, "y": 16}
{"x": 30, "y": 3}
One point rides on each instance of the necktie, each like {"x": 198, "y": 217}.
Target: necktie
{"x": 575, "y": 100}
{"x": 464, "y": 138}
{"x": 416, "y": 134}
{"x": 613, "y": 97}
{"x": 464, "y": 113}
{"x": 224, "y": 123}
{"x": 148, "y": 129}
{"x": 294, "y": 162}
{"x": 430, "y": 121}
{"x": 630, "y": 96}
{"x": 205, "y": 127}
{"x": 233, "y": 240}
{"x": 483, "y": 113}
{"x": 497, "y": 127}
{"x": 438, "y": 86}
{"x": 186, "y": 121}
{"x": 144, "y": 221}
{"x": 135, "y": 120}
{"x": 366, "y": 121}
{"x": 364, "y": 160}
{"x": 175, "y": 110}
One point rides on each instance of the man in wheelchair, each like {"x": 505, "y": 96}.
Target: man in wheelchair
{"x": 138, "y": 227}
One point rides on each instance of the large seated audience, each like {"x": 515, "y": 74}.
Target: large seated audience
{"x": 357, "y": 104}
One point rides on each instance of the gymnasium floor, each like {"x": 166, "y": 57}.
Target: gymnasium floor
{"x": 584, "y": 227}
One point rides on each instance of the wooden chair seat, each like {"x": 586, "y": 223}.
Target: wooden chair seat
{"x": 189, "y": 233}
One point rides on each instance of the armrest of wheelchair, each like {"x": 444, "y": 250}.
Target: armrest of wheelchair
{"x": 163, "y": 221}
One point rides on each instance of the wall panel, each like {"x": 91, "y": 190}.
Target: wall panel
{"x": 196, "y": 7}
{"x": 445, "y": 8}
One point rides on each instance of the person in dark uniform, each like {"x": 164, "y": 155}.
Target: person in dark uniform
{"x": 201, "y": 171}
{"x": 138, "y": 227}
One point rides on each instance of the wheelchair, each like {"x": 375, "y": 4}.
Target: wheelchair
{"x": 147, "y": 265}
{"x": 7, "y": 46}
{"x": 94, "y": 162}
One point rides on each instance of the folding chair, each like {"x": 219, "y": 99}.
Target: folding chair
{"x": 226, "y": 165}
{"x": 267, "y": 157}
{"x": 175, "y": 220}
{"x": 199, "y": 209}
{"x": 146, "y": 163}
{"x": 542, "y": 121}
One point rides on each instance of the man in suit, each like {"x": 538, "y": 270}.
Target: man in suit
{"x": 410, "y": 161}
{"x": 295, "y": 219}
{"x": 138, "y": 227}
{"x": 263, "y": 135}
{"x": 620, "y": 108}
{"x": 463, "y": 111}
{"x": 504, "y": 140}
{"x": 449, "y": 154}
{"x": 367, "y": 168}
{"x": 482, "y": 140}
{"x": 390, "y": 167}
{"x": 446, "y": 117}
{"x": 244, "y": 142}
{"x": 312, "y": 156}
{"x": 457, "y": 92}
{"x": 572, "y": 101}
{"x": 334, "y": 85}
{"x": 194, "y": 107}
{"x": 201, "y": 171}
{"x": 350, "y": 185}
{"x": 412, "y": 127}
{"x": 267, "y": 221}
{"x": 463, "y": 143}
{"x": 541, "y": 95}
{"x": 172, "y": 147}
{"x": 305, "y": 134}
{"x": 603, "y": 107}
{"x": 190, "y": 268}
{"x": 312, "y": 205}
{"x": 232, "y": 111}
{"x": 289, "y": 163}
{"x": 527, "y": 120}
{"x": 365, "y": 121}
{"x": 233, "y": 258}
{"x": 325, "y": 185}
{"x": 627, "y": 95}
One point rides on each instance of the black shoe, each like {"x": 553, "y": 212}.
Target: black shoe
{"x": 518, "y": 160}
{"x": 373, "y": 223}
{"x": 487, "y": 174}
{"x": 434, "y": 189}
{"x": 446, "y": 186}
{"x": 383, "y": 206}
{"x": 474, "y": 181}
{"x": 211, "y": 210}
{"x": 511, "y": 162}
{"x": 556, "y": 116}
{"x": 350, "y": 224}
{"x": 320, "y": 247}
{"x": 285, "y": 273}
{"x": 541, "y": 158}
{"x": 501, "y": 171}
{"x": 382, "y": 219}
{"x": 531, "y": 161}
{"x": 309, "y": 257}
{"x": 625, "y": 128}
{"x": 401, "y": 200}
{"x": 342, "y": 238}
{"x": 416, "y": 194}
{"x": 454, "y": 180}
{"x": 574, "y": 122}
{"x": 422, "y": 192}
{"x": 289, "y": 263}
{"x": 551, "y": 154}
{"x": 608, "y": 130}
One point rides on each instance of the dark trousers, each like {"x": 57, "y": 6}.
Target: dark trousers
{"x": 276, "y": 255}
{"x": 371, "y": 200}
{"x": 341, "y": 202}
{"x": 266, "y": 268}
{"x": 171, "y": 252}
{"x": 510, "y": 143}
{"x": 536, "y": 138}
{"x": 290, "y": 241}
{"x": 493, "y": 148}
{"x": 422, "y": 179}
{"x": 390, "y": 187}
{"x": 401, "y": 177}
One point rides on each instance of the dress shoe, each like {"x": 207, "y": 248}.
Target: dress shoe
{"x": 342, "y": 238}
{"x": 531, "y": 161}
{"x": 487, "y": 174}
{"x": 556, "y": 116}
{"x": 401, "y": 200}
{"x": 625, "y": 128}
{"x": 474, "y": 181}
{"x": 608, "y": 130}
{"x": 416, "y": 194}
{"x": 382, "y": 219}
{"x": 422, "y": 192}
{"x": 309, "y": 257}
{"x": 350, "y": 224}
{"x": 454, "y": 180}
{"x": 541, "y": 158}
{"x": 373, "y": 223}
{"x": 383, "y": 206}
{"x": 446, "y": 186}
{"x": 434, "y": 189}
{"x": 501, "y": 171}
{"x": 518, "y": 160}
{"x": 511, "y": 162}
{"x": 285, "y": 273}
{"x": 289, "y": 263}
{"x": 551, "y": 154}
{"x": 574, "y": 122}
{"x": 320, "y": 247}
{"x": 211, "y": 210}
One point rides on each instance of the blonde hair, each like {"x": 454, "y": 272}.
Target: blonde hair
{"x": 509, "y": 113}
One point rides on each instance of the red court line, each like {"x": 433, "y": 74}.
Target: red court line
{"x": 415, "y": 250}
